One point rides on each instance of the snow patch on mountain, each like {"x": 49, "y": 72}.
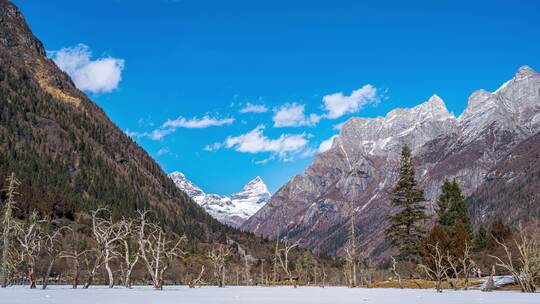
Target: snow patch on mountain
{"x": 514, "y": 107}
{"x": 381, "y": 135}
{"x": 232, "y": 210}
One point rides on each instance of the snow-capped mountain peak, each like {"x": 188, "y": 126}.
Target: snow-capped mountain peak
{"x": 525, "y": 72}
{"x": 185, "y": 184}
{"x": 513, "y": 107}
{"x": 233, "y": 210}
{"x": 414, "y": 126}
{"x": 255, "y": 189}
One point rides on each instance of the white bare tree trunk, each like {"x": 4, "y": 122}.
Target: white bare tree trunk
{"x": 109, "y": 270}
{"x": 7, "y": 225}
{"x": 156, "y": 250}
{"x": 439, "y": 269}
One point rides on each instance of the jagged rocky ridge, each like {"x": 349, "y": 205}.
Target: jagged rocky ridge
{"x": 232, "y": 210}
{"x": 361, "y": 165}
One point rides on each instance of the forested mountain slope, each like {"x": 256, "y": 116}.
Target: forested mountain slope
{"x": 66, "y": 151}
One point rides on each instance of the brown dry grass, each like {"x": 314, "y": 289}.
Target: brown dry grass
{"x": 510, "y": 287}
{"x": 419, "y": 284}
{"x": 44, "y": 80}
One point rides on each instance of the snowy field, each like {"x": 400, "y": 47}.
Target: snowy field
{"x": 256, "y": 295}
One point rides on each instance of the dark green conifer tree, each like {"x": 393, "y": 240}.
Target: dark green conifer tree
{"x": 443, "y": 204}
{"x": 407, "y": 225}
{"x": 452, "y": 208}
{"x": 481, "y": 238}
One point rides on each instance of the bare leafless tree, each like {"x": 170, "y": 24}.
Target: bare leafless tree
{"x": 197, "y": 282}
{"x": 156, "y": 249}
{"x": 218, "y": 257}
{"x": 283, "y": 257}
{"x": 323, "y": 275}
{"x": 351, "y": 251}
{"x": 76, "y": 252}
{"x": 365, "y": 267}
{"x": 467, "y": 265}
{"x": 93, "y": 259}
{"x": 107, "y": 235}
{"x": 528, "y": 247}
{"x": 275, "y": 261}
{"x": 30, "y": 240}
{"x": 52, "y": 246}
{"x": 261, "y": 279}
{"x": 128, "y": 250}
{"x": 8, "y": 227}
{"x": 395, "y": 271}
{"x": 438, "y": 271}
{"x": 453, "y": 264}
{"x": 247, "y": 270}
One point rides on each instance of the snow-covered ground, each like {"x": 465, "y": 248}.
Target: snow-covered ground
{"x": 498, "y": 280}
{"x": 256, "y": 295}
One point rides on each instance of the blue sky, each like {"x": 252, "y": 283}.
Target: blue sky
{"x": 158, "y": 68}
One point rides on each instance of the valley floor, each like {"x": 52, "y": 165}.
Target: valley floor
{"x": 259, "y": 295}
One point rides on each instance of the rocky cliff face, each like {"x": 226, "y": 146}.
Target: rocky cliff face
{"x": 15, "y": 33}
{"x": 361, "y": 165}
{"x": 511, "y": 186}
{"x": 233, "y": 210}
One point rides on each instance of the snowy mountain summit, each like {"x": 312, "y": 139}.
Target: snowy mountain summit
{"x": 255, "y": 192}
{"x": 233, "y": 210}
{"x": 186, "y": 185}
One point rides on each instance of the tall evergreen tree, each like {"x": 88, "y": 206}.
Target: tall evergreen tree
{"x": 443, "y": 204}
{"x": 481, "y": 238}
{"x": 452, "y": 208}
{"x": 407, "y": 225}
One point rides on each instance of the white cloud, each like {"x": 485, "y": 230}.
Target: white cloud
{"x": 254, "y": 108}
{"x": 145, "y": 121}
{"x": 157, "y": 134}
{"x": 163, "y": 151}
{"x": 171, "y": 125}
{"x": 96, "y": 76}
{"x": 213, "y": 147}
{"x": 339, "y": 126}
{"x": 292, "y": 115}
{"x": 256, "y": 142}
{"x": 264, "y": 161}
{"x": 196, "y": 123}
{"x": 326, "y": 144}
{"x": 338, "y": 104}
